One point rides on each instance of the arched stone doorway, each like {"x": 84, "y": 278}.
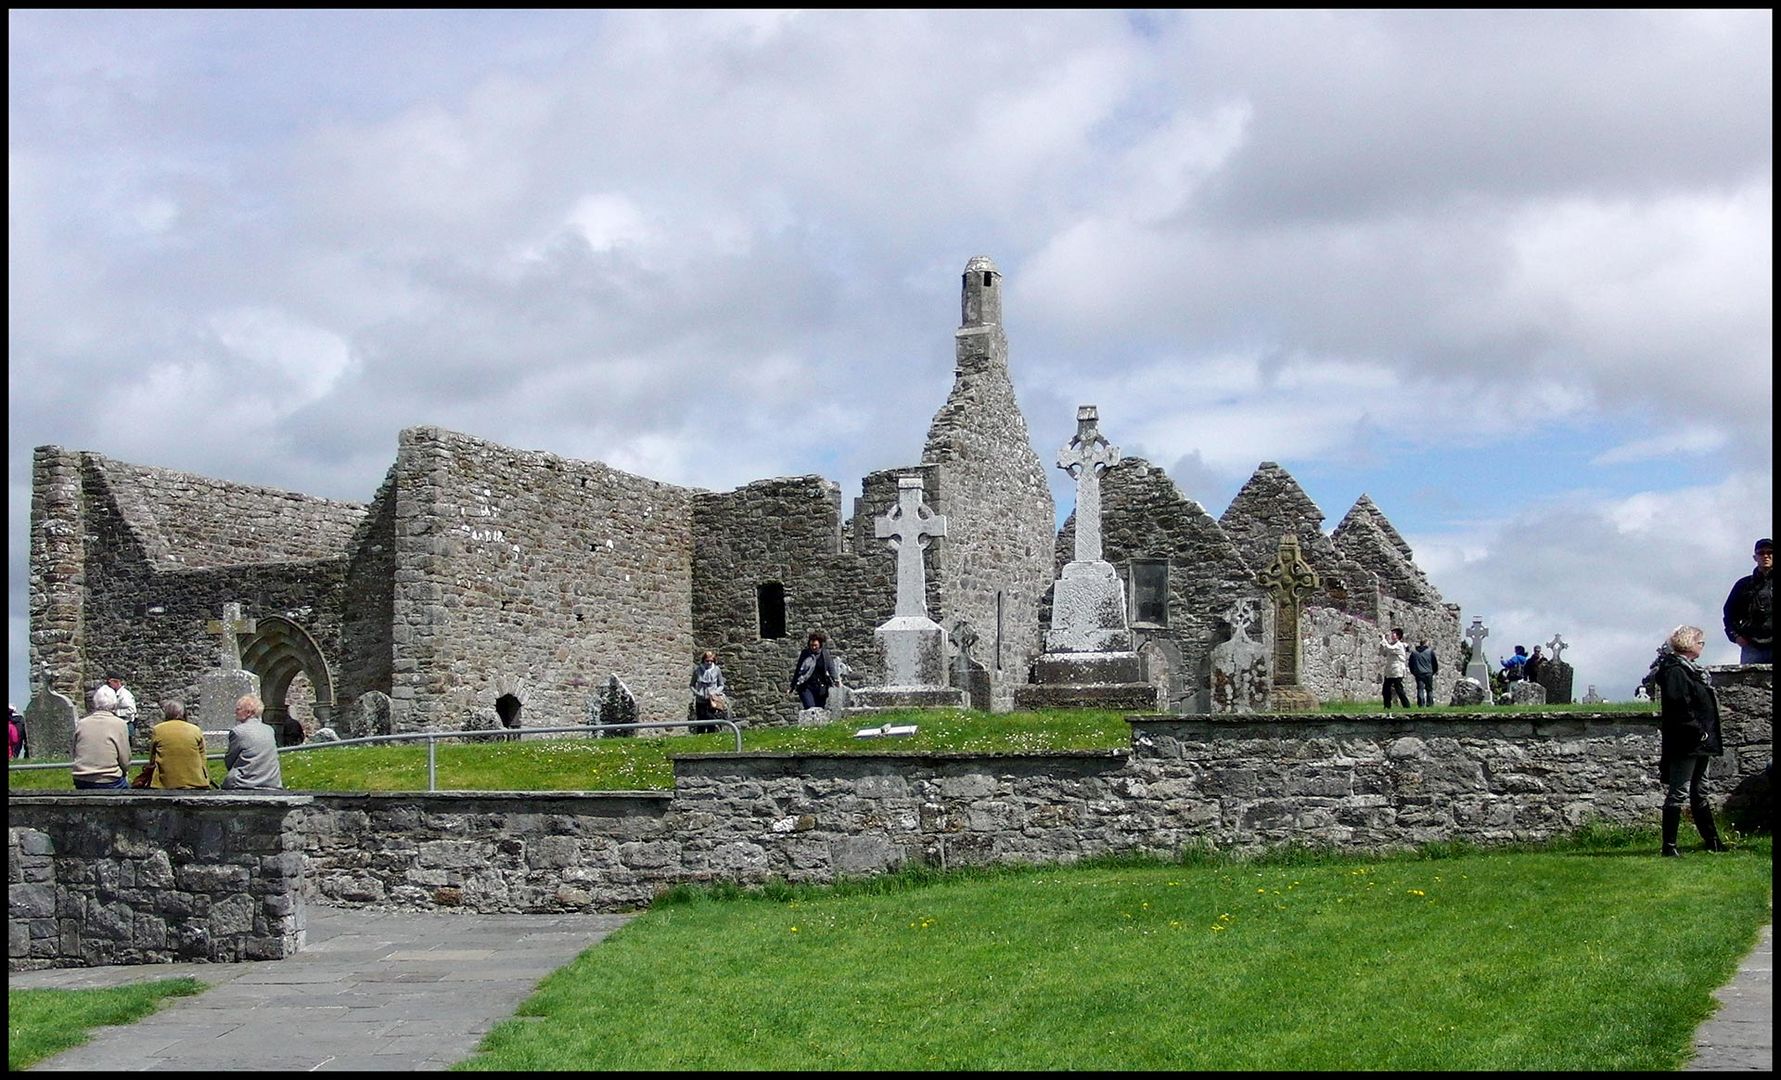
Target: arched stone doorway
{"x": 278, "y": 652}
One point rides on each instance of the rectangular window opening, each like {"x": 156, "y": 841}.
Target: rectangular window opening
{"x": 770, "y": 609}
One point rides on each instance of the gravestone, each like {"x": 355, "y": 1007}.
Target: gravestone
{"x": 369, "y": 715}
{"x": 1593, "y": 698}
{"x": 1088, "y": 660}
{"x": 49, "y": 723}
{"x": 1290, "y": 581}
{"x": 967, "y": 672}
{"x": 227, "y": 683}
{"x": 1478, "y": 668}
{"x": 1468, "y": 691}
{"x": 1556, "y": 675}
{"x": 1524, "y": 692}
{"x": 1240, "y": 666}
{"x": 913, "y": 645}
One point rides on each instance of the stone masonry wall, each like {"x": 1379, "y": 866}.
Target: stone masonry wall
{"x": 367, "y": 622}
{"x": 789, "y": 531}
{"x": 527, "y": 573}
{"x": 152, "y": 878}
{"x": 58, "y": 573}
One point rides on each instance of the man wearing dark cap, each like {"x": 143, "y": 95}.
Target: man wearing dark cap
{"x": 1750, "y": 609}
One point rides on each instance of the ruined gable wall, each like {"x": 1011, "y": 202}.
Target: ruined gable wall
{"x": 1145, "y": 516}
{"x": 523, "y": 571}
{"x": 145, "y": 614}
{"x": 786, "y": 530}
{"x": 1000, "y": 516}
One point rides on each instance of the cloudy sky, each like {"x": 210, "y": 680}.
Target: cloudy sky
{"x": 1509, "y": 274}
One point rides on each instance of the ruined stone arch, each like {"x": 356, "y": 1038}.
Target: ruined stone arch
{"x": 278, "y": 651}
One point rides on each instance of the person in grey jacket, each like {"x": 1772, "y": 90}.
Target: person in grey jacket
{"x": 1423, "y": 665}
{"x": 252, "y": 755}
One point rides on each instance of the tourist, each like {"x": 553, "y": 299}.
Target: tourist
{"x": 176, "y": 751}
{"x": 1423, "y": 665}
{"x": 101, "y": 745}
{"x": 1396, "y": 655}
{"x": 252, "y": 755}
{"x": 815, "y": 673}
{"x": 1750, "y": 609}
{"x": 126, "y": 703}
{"x": 1690, "y": 712}
{"x": 708, "y": 692}
{"x": 1513, "y": 667}
{"x": 1531, "y": 669}
{"x": 16, "y": 744}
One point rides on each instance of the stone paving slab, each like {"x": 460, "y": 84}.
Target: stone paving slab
{"x": 1740, "y": 1037}
{"x": 371, "y": 991}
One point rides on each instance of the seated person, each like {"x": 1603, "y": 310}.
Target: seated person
{"x": 102, "y": 745}
{"x": 176, "y": 751}
{"x": 252, "y": 755}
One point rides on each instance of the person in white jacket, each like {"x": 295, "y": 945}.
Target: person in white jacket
{"x": 1396, "y": 655}
{"x": 126, "y": 703}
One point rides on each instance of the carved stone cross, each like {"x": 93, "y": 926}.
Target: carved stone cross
{"x": 909, "y": 527}
{"x": 963, "y": 637}
{"x": 1558, "y": 647}
{"x": 1290, "y": 579}
{"x": 232, "y": 628}
{"x": 1087, "y": 456}
{"x": 1476, "y": 633}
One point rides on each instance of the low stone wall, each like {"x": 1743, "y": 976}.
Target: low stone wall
{"x": 1742, "y": 778}
{"x": 128, "y": 878}
{"x": 148, "y": 877}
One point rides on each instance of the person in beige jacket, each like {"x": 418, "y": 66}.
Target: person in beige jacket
{"x": 101, "y": 745}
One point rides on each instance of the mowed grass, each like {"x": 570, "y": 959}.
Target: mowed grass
{"x": 1600, "y": 956}
{"x": 42, "y": 1023}
{"x": 643, "y": 763}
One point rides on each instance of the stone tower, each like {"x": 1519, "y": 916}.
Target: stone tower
{"x": 995, "y": 562}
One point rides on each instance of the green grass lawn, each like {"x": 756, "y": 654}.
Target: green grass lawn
{"x": 1592, "y": 955}
{"x": 40, "y": 1023}
{"x": 634, "y": 764}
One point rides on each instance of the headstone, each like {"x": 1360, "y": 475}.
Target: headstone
{"x": 1479, "y": 667}
{"x": 369, "y": 715}
{"x": 1290, "y": 581}
{"x": 227, "y": 683}
{"x": 1088, "y": 660}
{"x": 1526, "y": 692}
{"x": 1468, "y": 691}
{"x": 324, "y": 734}
{"x": 1556, "y": 677}
{"x": 1593, "y": 698}
{"x": 1240, "y": 666}
{"x": 913, "y": 645}
{"x": 967, "y": 673}
{"x": 1641, "y": 694}
{"x": 49, "y": 722}
{"x": 814, "y": 717}
{"x": 1555, "y": 649}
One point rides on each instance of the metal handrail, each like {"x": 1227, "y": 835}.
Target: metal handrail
{"x": 433, "y": 737}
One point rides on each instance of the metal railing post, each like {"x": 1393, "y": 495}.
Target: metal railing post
{"x": 432, "y": 765}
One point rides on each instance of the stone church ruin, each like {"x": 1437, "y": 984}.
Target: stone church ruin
{"x": 483, "y": 579}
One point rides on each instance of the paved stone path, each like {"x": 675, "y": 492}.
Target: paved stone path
{"x": 1740, "y": 1037}
{"x": 382, "y": 991}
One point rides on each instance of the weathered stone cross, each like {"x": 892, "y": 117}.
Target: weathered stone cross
{"x": 1476, "y": 633}
{"x": 232, "y": 628}
{"x": 1087, "y": 456}
{"x": 1558, "y": 646}
{"x": 909, "y": 526}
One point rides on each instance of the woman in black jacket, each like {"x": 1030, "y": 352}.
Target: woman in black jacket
{"x": 1690, "y": 736}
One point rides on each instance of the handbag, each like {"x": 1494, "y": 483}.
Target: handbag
{"x": 145, "y": 778}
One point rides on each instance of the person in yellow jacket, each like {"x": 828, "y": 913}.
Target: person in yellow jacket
{"x": 176, "y": 751}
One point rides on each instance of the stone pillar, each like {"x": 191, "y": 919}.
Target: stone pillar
{"x": 58, "y": 573}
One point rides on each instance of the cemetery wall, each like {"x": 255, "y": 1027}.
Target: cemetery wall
{"x": 152, "y": 877}
{"x": 527, "y": 573}
{"x": 785, "y": 532}
{"x": 159, "y": 553}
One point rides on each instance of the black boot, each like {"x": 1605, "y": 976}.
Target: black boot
{"x": 1672, "y": 822}
{"x": 1703, "y": 820}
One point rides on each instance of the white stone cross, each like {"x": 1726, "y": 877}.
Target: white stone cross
{"x": 1087, "y": 456}
{"x": 909, "y": 526}
{"x": 1558, "y": 646}
{"x": 232, "y": 628}
{"x": 1476, "y": 633}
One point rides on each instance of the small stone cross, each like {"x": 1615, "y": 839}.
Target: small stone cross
{"x": 1558, "y": 647}
{"x": 963, "y": 637}
{"x": 1087, "y": 456}
{"x": 232, "y": 628}
{"x": 909, "y": 526}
